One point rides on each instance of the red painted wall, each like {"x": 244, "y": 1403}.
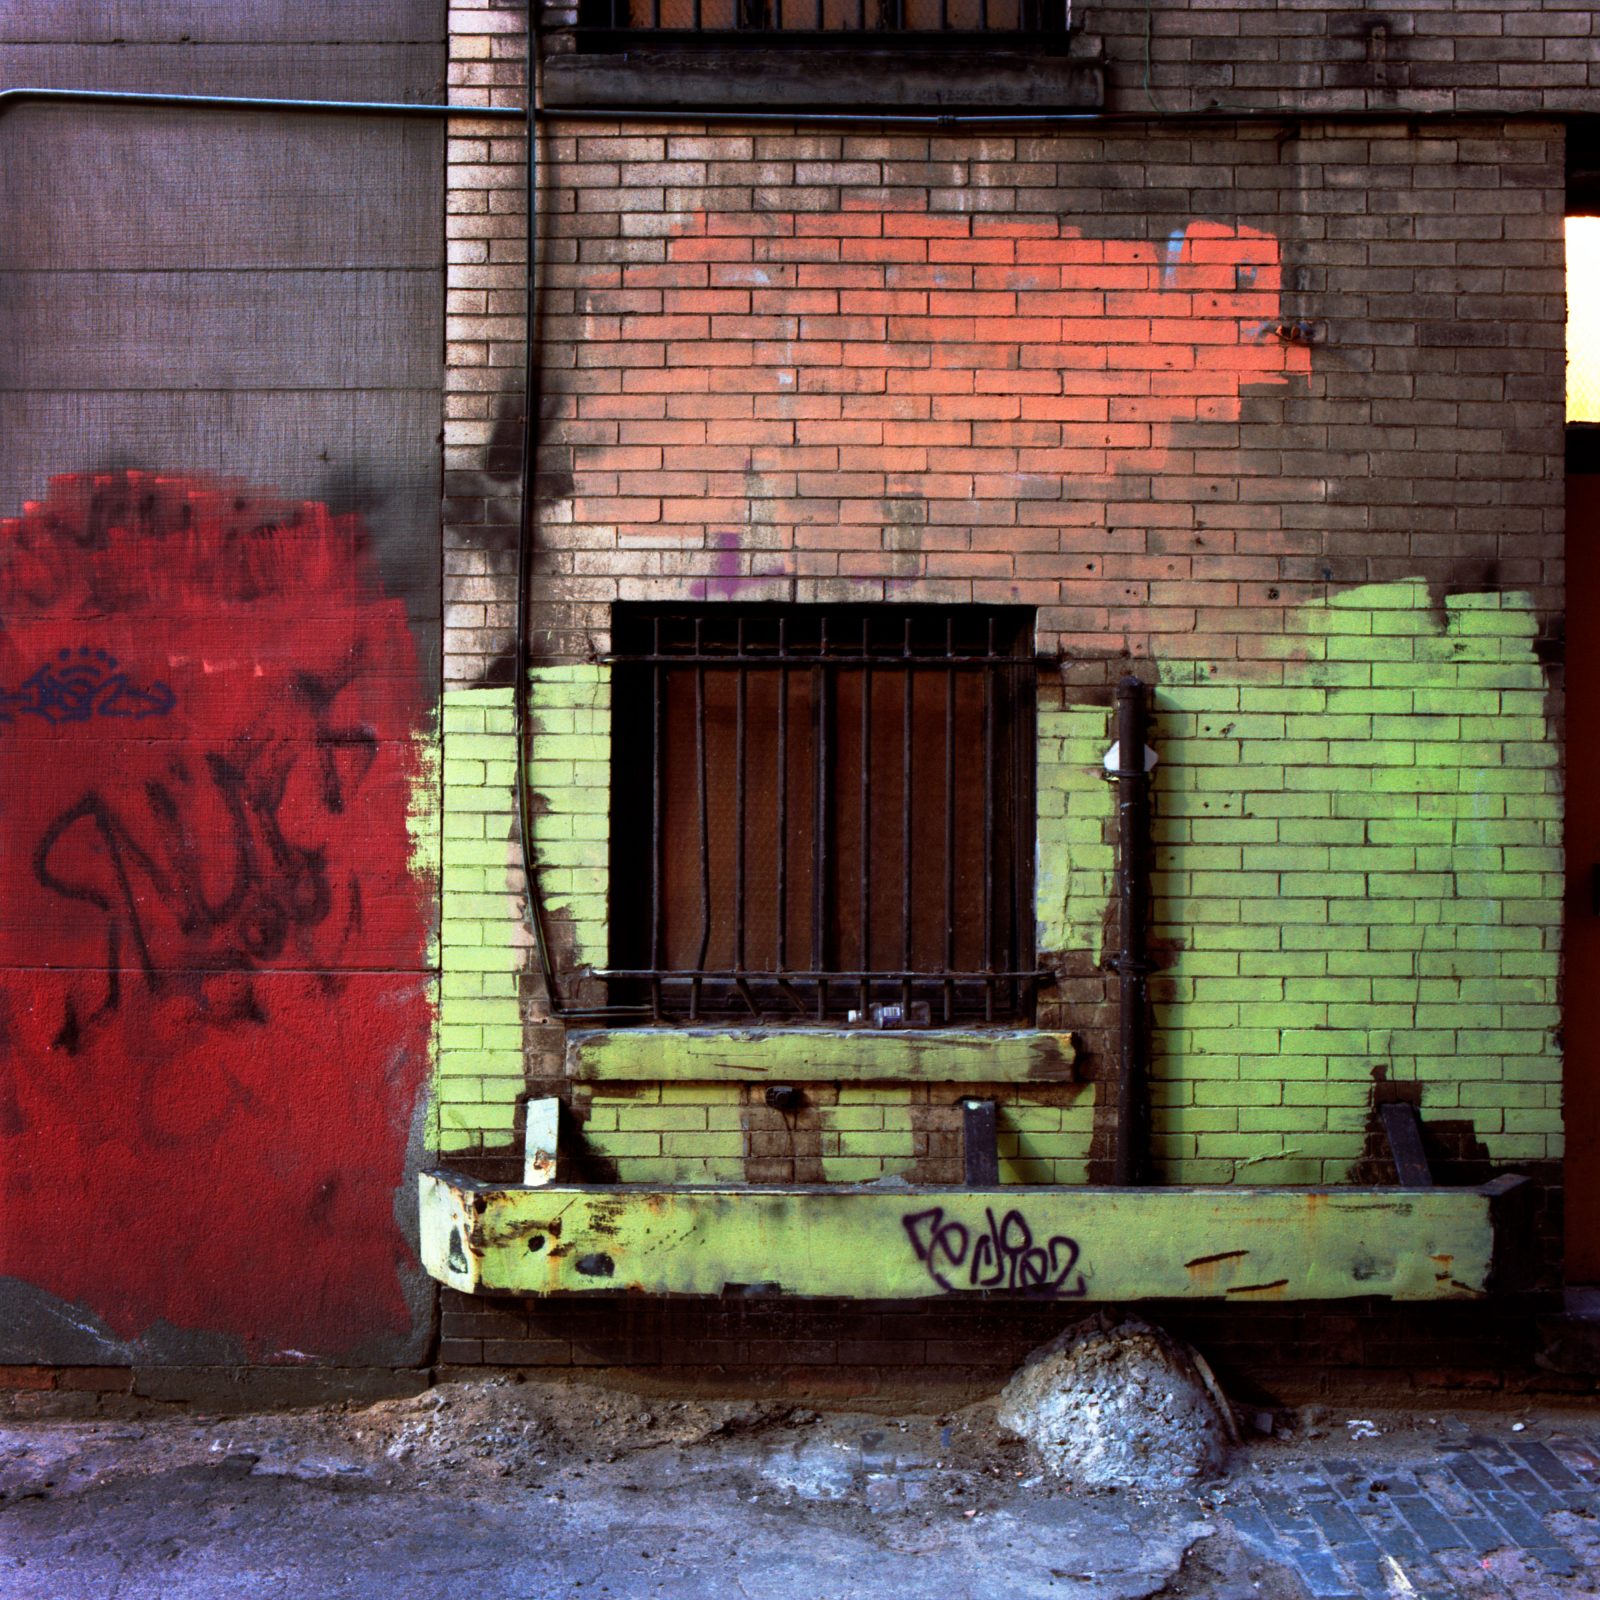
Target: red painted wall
{"x": 214, "y": 1013}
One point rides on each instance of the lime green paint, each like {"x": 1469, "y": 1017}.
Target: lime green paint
{"x": 808, "y": 1055}
{"x": 1073, "y": 858}
{"x": 1239, "y": 1243}
{"x": 569, "y": 782}
{"x": 696, "y": 1132}
{"x": 478, "y": 1076}
{"x": 1422, "y": 853}
{"x": 1358, "y": 840}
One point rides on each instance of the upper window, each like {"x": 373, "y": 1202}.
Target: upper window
{"x": 776, "y": 20}
{"x": 822, "y": 810}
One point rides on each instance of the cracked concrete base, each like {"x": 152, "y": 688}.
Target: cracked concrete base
{"x": 198, "y": 1531}
{"x": 496, "y": 1491}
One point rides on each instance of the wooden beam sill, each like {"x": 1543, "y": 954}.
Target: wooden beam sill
{"x": 819, "y": 1055}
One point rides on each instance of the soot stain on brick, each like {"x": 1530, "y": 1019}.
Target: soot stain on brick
{"x": 1448, "y": 580}
{"x": 1369, "y": 50}
{"x": 780, "y": 1147}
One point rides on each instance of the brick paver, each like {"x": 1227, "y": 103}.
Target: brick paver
{"x": 1447, "y": 1525}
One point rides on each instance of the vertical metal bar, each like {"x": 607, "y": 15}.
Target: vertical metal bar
{"x": 1133, "y": 790}
{"x": 657, "y": 759}
{"x": 738, "y": 804}
{"x": 1025, "y": 708}
{"x": 819, "y": 820}
{"x": 1019, "y": 828}
{"x": 781, "y": 943}
{"x": 988, "y": 830}
{"x": 905, "y": 823}
{"x": 949, "y": 819}
{"x": 865, "y": 998}
{"x": 705, "y": 820}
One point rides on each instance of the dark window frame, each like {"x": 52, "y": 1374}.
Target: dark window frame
{"x": 800, "y": 723}
{"x": 835, "y": 24}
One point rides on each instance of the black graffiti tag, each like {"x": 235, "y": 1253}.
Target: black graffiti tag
{"x": 233, "y": 901}
{"x": 1002, "y": 1256}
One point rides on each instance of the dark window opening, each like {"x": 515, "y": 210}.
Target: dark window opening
{"x": 821, "y": 809}
{"x": 827, "y": 21}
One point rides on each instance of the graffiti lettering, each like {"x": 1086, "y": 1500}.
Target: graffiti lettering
{"x": 80, "y": 684}
{"x": 1003, "y": 1256}
{"x": 272, "y": 889}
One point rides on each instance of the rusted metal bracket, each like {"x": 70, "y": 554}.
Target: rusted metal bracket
{"x": 1402, "y": 1127}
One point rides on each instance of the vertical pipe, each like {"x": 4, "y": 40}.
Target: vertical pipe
{"x": 705, "y": 821}
{"x": 988, "y": 830}
{"x": 657, "y": 799}
{"x": 819, "y": 821}
{"x": 949, "y": 820}
{"x": 1130, "y": 1156}
{"x": 781, "y": 943}
{"x": 906, "y": 753}
{"x": 864, "y": 998}
{"x": 738, "y": 806}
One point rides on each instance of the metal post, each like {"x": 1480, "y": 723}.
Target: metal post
{"x": 980, "y": 1155}
{"x": 1130, "y": 1157}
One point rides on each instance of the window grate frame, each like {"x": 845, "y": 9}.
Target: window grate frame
{"x": 834, "y": 24}
{"x": 824, "y": 643}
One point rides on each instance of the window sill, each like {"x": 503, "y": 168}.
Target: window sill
{"x": 717, "y": 78}
{"x": 813, "y": 1055}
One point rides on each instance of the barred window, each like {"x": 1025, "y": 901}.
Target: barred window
{"x": 819, "y": 810}
{"x": 780, "y": 19}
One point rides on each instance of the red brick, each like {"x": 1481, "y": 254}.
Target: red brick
{"x": 14, "y": 1377}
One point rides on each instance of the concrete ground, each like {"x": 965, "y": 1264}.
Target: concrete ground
{"x": 497, "y": 1490}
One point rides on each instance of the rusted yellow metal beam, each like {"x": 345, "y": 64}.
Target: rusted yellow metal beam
{"x": 901, "y": 1242}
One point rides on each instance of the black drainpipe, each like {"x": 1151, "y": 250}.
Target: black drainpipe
{"x": 23, "y": 95}
{"x": 1130, "y": 1156}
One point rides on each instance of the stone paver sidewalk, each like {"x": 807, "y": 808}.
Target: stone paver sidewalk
{"x": 1508, "y": 1514}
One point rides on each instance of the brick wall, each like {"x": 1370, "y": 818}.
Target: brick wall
{"x": 930, "y": 1357}
{"x": 1455, "y": 56}
{"x": 960, "y": 370}
{"x": 1270, "y": 414}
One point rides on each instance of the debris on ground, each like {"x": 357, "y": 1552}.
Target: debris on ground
{"x": 531, "y": 1490}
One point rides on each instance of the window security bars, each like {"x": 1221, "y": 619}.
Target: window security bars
{"x": 789, "y": 20}
{"x": 819, "y": 810}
